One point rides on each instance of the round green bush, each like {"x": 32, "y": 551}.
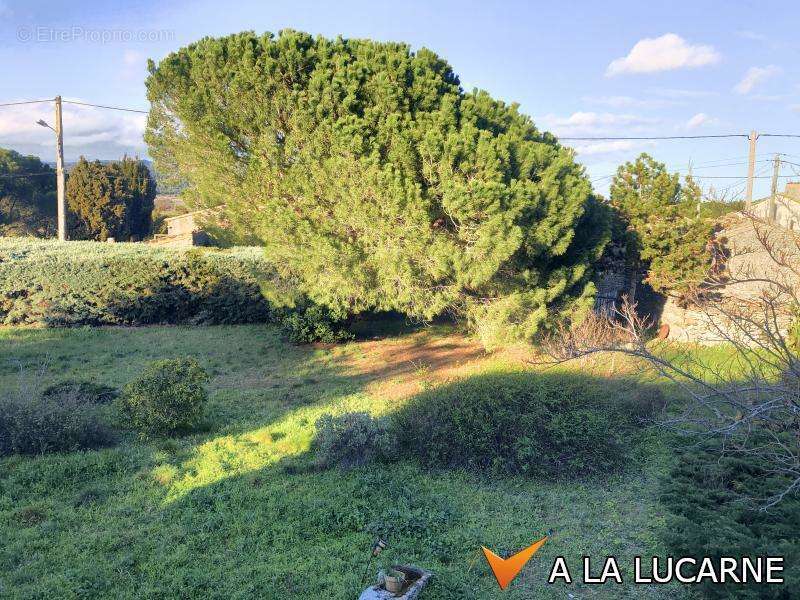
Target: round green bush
{"x": 353, "y": 439}
{"x": 313, "y": 323}
{"x": 521, "y": 423}
{"x": 168, "y": 396}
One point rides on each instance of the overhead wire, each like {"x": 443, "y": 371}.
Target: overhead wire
{"x": 20, "y": 103}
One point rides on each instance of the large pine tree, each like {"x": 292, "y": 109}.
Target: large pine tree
{"x": 375, "y": 182}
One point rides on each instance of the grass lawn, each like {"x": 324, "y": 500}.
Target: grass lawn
{"x": 222, "y": 513}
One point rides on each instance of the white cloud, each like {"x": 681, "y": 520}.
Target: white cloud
{"x": 665, "y": 53}
{"x": 630, "y": 102}
{"x": 93, "y": 132}
{"x": 755, "y": 76}
{"x": 604, "y": 147}
{"x": 614, "y": 150}
{"x": 594, "y": 123}
{"x": 700, "y": 120}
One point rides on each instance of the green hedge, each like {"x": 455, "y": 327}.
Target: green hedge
{"x": 93, "y": 283}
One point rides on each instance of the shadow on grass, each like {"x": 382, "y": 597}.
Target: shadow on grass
{"x": 220, "y": 515}
{"x": 287, "y": 529}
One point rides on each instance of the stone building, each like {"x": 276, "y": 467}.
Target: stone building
{"x": 749, "y": 269}
{"x": 183, "y": 231}
{"x": 784, "y": 210}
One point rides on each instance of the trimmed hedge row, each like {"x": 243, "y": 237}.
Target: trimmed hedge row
{"x": 92, "y": 283}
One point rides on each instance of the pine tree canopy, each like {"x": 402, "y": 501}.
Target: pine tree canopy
{"x": 375, "y": 182}
{"x": 664, "y": 230}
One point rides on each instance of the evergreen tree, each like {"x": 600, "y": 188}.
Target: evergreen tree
{"x": 110, "y": 200}
{"x": 659, "y": 221}
{"x": 27, "y": 195}
{"x": 375, "y": 182}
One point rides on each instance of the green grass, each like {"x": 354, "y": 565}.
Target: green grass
{"x": 218, "y": 514}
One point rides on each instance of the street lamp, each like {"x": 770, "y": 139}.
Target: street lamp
{"x": 62, "y": 204}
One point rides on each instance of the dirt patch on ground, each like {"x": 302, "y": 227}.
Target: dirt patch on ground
{"x": 400, "y": 367}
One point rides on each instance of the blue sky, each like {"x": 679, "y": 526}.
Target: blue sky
{"x": 578, "y": 68}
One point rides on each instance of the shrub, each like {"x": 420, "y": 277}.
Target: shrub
{"x": 88, "y": 283}
{"x": 58, "y": 422}
{"x": 713, "y": 506}
{"x": 168, "y": 396}
{"x": 523, "y": 423}
{"x": 353, "y": 439}
{"x": 304, "y": 325}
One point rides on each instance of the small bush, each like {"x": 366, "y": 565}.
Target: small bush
{"x": 314, "y": 323}
{"x": 168, "y": 396}
{"x": 520, "y": 423}
{"x": 56, "y": 423}
{"x": 714, "y": 501}
{"x": 353, "y": 439}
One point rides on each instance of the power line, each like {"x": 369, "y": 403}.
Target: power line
{"x": 25, "y": 102}
{"x": 759, "y": 174}
{"x": 733, "y": 164}
{"x": 738, "y": 177}
{"x": 664, "y": 137}
{"x": 133, "y": 110}
{"x": 569, "y": 138}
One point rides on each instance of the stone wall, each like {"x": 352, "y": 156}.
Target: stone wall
{"x": 750, "y": 269}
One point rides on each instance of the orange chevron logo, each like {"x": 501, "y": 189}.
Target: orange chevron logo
{"x": 506, "y": 569}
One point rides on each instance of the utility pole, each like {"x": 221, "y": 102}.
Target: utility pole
{"x": 62, "y": 203}
{"x": 751, "y": 167}
{"x": 700, "y": 198}
{"x": 773, "y": 208}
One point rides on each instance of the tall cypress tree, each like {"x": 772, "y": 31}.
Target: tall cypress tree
{"x": 375, "y": 182}
{"x": 112, "y": 200}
